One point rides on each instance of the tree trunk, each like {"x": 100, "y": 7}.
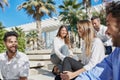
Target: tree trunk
{"x": 40, "y": 42}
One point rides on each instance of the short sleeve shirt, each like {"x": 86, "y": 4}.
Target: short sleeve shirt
{"x": 17, "y": 67}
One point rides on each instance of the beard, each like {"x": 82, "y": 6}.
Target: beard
{"x": 12, "y": 49}
{"x": 116, "y": 41}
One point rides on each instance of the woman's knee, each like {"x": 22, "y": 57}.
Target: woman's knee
{"x": 67, "y": 58}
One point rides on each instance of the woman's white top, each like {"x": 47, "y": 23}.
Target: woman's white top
{"x": 57, "y": 44}
{"x": 97, "y": 54}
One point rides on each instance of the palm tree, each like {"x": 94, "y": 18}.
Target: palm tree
{"x": 31, "y": 36}
{"x": 37, "y": 9}
{"x": 86, "y": 4}
{"x": 2, "y": 2}
{"x": 2, "y": 32}
{"x": 71, "y": 12}
{"x": 19, "y": 31}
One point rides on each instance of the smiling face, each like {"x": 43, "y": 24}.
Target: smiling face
{"x": 86, "y": 32}
{"x": 113, "y": 30}
{"x": 11, "y": 44}
{"x": 63, "y": 32}
{"x": 80, "y": 31}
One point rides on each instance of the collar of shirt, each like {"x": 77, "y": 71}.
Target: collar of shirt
{"x": 14, "y": 57}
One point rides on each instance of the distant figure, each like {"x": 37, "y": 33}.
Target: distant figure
{"x": 100, "y": 31}
{"x": 61, "y": 47}
{"x": 93, "y": 52}
{"x": 14, "y": 65}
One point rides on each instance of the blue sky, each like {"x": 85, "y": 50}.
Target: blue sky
{"x": 12, "y": 17}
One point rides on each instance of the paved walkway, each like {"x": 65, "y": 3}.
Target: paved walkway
{"x": 42, "y": 74}
{"x": 41, "y": 77}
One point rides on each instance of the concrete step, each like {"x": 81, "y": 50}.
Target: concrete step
{"x": 48, "y": 51}
{"x": 39, "y": 57}
{"x": 39, "y": 52}
{"x": 43, "y": 57}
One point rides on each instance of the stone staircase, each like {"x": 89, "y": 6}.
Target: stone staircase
{"x": 41, "y": 58}
{"x": 38, "y": 59}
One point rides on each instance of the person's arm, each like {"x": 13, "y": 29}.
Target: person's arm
{"x": 0, "y": 62}
{"x": 57, "y": 48}
{"x": 0, "y": 66}
{"x": 71, "y": 53}
{"x": 97, "y": 54}
{"x": 67, "y": 75}
{"x": 102, "y": 71}
{"x": 24, "y": 70}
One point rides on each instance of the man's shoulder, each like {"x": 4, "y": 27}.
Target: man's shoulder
{"x": 117, "y": 50}
{"x": 2, "y": 55}
{"x": 22, "y": 55}
{"x": 103, "y": 29}
{"x": 103, "y": 26}
{"x": 115, "y": 53}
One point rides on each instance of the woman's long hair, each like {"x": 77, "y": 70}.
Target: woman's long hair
{"x": 66, "y": 38}
{"x": 88, "y": 34}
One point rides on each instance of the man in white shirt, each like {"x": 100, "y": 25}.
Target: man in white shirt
{"x": 14, "y": 65}
{"x": 100, "y": 32}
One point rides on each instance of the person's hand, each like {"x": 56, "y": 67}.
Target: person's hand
{"x": 23, "y": 78}
{"x": 66, "y": 75}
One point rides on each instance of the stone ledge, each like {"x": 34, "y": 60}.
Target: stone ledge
{"x": 48, "y": 51}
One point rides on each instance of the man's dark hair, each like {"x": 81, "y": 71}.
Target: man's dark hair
{"x": 10, "y": 33}
{"x": 114, "y": 9}
{"x": 94, "y": 17}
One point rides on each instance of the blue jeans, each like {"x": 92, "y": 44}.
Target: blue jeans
{"x": 55, "y": 59}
